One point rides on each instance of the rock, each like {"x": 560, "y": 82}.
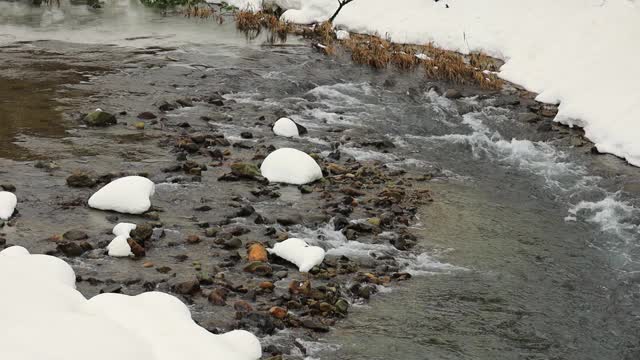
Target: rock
{"x": 142, "y": 233}
{"x": 73, "y": 249}
{"x": 290, "y": 166}
{"x": 211, "y": 232}
{"x": 545, "y": 126}
{"x": 136, "y": 249}
{"x": 112, "y": 289}
{"x": 374, "y": 221}
{"x": 8, "y": 187}
{"x": 452, "y": 94}
{"x": 528, "y": 117}
{"x": 257, "y": 252}
{"x": 185, "y": 102}
{"x": 193, "y": 239}
{"x": 342, "y": 306}
{"x": 246, "y": 135}
{"x": 314, "y": 324}
{"x": 289, "y": 219}
{"x": 99, "y": 118}
{"x": 187, "y": 287}
{"x": 217, "y": 297}
{"x": 340, "y": 222}
{"x": 266, "y": 285}
{"x": 233, "y": 243}
{"x": 278, "y": 312}
{"x": 242, "y": 306}
{"x": 305, "y": 189}
{"x": 80, "y": 180}
{"x": 259, "y": 268}
{"x": 549, "y": 111}
{"x": 75, "y": 235}
{"x": 146, "y": 116}
{"x": 139, "y": 125}
{"x": 165, "y": 106}
{"x": 246, "y": 210}
{"x": 245, "y": 170}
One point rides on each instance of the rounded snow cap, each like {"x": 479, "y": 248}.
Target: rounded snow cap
{"x": 286, "y": 127}
{"x": 290, "y": 166}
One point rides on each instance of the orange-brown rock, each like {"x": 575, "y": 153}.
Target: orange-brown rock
{"x": 257, "y": 252}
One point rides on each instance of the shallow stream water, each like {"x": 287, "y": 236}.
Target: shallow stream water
{"x": 530, "y": 249}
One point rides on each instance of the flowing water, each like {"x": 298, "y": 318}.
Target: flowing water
{"x": 529, "y": 251}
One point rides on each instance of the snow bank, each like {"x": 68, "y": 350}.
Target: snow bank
{"x": 8, "y": 202}
{"x": 128, "y": 195}
{"x": 580, "y": 53}
{"x": 285, "y": 127}
{"x": 44, "y": 317}
{"x": 290, "y": 166}
{"x": 300, "y": 253}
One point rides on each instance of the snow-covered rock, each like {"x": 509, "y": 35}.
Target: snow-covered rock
{"x": 290, "y": 166}
{"x": 300, "y": 253}
{"x": 8, "y": 202}
{"x": 285, "y": 127}
{"x": 42, "y": 312}
{"x": 342, "y": 34}
{"x": 119, "y": 247}
{"x": 123, "y": 229}
{"x": 129, "y": 195}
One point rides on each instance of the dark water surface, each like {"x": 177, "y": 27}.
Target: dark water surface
{"x": 530, "y": 249}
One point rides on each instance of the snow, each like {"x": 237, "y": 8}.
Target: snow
{"x": 285, "y": 127}
{"x": 129, "y": 195}
{"x": 290, "y": 166}
{"x": 342, "y": 35}
{"x": 8, "y": 202}
{"x": 45, "y": 317}
{"x": 123, "y": 229}
{"x": 581, "y": 54}
{"x": 300, "y": 253}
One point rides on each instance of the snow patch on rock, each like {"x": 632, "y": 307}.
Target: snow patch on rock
{"x": 8, "y": 202}
{"x": 290, "y": 166}
{"x": 119, "y": 247}
{"x": 342, "y": 35}
{"x": 300, "y": 253}
{"x": 285, "y": 127}
{"x": 129, "y": 195}
{"x": 150, "y": 326}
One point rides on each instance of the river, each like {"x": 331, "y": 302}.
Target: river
{"x": 529, "y": 251}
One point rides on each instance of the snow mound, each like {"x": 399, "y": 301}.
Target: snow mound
{"x": 129, "y": 195}
{"x": 300, "y": 253}
{"x": 342, "y": 34}
{"x": 286, "y": 127}
{"x": 45, "y": 317}
{"x": 8, "y": 202}
{"x": 290, "y": 166}
{"x": 119, "y": 247}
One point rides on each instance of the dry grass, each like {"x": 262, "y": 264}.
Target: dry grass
{"x": 369, "y": 50}
{"x": 451, "y": 66}
{"x": 482, "y": 62}
{"x": 252, "y": 24}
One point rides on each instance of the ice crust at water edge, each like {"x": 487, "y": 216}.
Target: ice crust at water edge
{"x": 41, "y": 310}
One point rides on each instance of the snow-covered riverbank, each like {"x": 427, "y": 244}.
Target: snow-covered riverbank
{"x": 579, "y": 53}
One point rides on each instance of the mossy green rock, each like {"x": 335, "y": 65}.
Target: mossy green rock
{"x": 99, "y": 118}
{"x": 246, "y": 170}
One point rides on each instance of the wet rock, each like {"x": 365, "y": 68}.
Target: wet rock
{"x": 257, "y": 252}
{"x": 233, "y": 243}
{"x": 289, "y": 219}
{"x": 203, "y": 208}
{"x": 146, "y": 116}
{"x": 242, "y": 306}
{"x": 73, "y": 249}
{"x": 314, "y": 324}
{"x": 259, "y": 268}
{"x": 218, "y": 297}
{"x": 112, "y": 289}
{"x": 246, "y": 135}
{"x": 211, "y": 232}
{"x": 305, "y": 189}
{"x": 165, "y": 106}
{"x": 187, "y": 287}
{"x": 528, "y": 117}
{"x": 8, "y": 187}
{"x": 549, "y": 111}
{"x": 340, "y": 222}
{"x": 136, "y": 248}
{"x": 185, "y": 102}
{"x": 193, "y": 239}
{"x": 142, "y": 233}
{"x": 246, "y": 210}
{"x": 75, "y": 235}
{"x": 266, "y": 285}
{"x": 278, "y": 312}
{"x": 452, "y": 94}
{"x": 245, "y": 170}
{"x": 80, "y": 180}
{"x": 545, "y": 126}
{"x": 342, "y": 306}
{"x": 99, "y": 119}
